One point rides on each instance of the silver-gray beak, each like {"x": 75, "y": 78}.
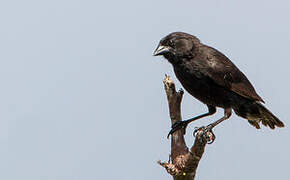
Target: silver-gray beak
{"x": 160, "y": 50}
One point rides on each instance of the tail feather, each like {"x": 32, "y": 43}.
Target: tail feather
{"x": 255, "y": 112}
{"x": 255, "y": 124}
{"x": 268, "y": 118}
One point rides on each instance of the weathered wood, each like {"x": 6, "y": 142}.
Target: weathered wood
{"x": 183, "y": 162}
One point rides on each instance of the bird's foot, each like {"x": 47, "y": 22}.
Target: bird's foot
{"x": 205, "y": 134}
{"x": 177, "y": 126}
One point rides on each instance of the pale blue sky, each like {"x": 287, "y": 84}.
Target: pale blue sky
{"x": 82, "y": 96}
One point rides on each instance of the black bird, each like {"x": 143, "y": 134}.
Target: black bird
{"x": 213, "y": 79}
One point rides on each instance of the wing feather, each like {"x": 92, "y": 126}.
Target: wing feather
{"x": 223, "y": 72}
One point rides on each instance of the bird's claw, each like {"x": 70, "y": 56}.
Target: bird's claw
{"x": 177, "y": 126}
{"x": 205, "y": 134}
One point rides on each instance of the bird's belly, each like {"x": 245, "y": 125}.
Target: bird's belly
{"x": 205, "y": 91}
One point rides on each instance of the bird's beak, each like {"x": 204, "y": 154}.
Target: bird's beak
{"x": 160, "y": 50}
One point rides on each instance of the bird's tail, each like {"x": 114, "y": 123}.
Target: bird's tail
{"x": 255, "y": 112}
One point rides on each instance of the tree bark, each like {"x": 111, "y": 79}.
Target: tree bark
{"x": 183, "y": 162}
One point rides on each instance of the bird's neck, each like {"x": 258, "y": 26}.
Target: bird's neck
{"x": 177, "y": 60}
{"x": 171, "y": 58}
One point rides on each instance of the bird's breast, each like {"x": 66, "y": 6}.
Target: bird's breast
{"x": 201, "y": 87}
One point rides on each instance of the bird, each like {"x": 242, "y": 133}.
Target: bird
{"x": 212, "y": 78}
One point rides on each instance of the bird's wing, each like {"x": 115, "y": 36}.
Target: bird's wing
{"x": 223, "y": 72}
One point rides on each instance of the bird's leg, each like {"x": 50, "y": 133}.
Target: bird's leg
{"x": 207, "y": 131}
{"x": 183, "y": 124}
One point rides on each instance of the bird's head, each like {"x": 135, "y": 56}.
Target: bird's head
{"x": 177, "y": 44}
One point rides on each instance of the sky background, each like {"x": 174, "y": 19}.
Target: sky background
{"x": 81, "y": 96}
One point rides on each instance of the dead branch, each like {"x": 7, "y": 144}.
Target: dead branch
{"x": 183, "y": 162}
